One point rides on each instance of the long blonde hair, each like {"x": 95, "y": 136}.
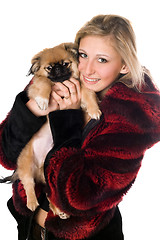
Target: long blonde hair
{"x": 124, "y": 42}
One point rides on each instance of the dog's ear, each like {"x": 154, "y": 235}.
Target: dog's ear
{"x": 35, "y": 64}
{"x": 72, "y": 48}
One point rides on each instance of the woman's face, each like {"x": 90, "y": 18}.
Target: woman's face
{"x": 99, "y": 62}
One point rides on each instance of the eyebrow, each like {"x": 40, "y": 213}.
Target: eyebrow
{"x": 102, "y": 54}
{"x": 98, "y": 55}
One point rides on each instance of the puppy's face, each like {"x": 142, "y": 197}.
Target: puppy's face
{"x": 57, "y": 64}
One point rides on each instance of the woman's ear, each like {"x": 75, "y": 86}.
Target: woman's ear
{"x": 124, "y": 69}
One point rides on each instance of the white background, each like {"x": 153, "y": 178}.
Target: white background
{"x": 27, "y": 27}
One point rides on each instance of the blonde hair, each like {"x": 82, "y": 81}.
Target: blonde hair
{"x": 120, "y": 29}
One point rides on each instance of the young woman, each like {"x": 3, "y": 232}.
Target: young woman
{"x": 93, "y": 163}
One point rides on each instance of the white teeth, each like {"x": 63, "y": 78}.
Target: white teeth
{"x": 91, "y": 80}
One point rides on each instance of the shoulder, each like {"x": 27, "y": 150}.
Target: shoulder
{"x": 126, "y": 104}
{"x": 120, "y": 91}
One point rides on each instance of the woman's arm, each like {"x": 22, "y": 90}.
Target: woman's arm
{"x": 17, "y": 130}
{"x": 97, "y": 175}
{"x": 25, "y": 119}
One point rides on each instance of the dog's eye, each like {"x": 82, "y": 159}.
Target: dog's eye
{"x": 48, "y": 68}
{"x": 65, "y": 64}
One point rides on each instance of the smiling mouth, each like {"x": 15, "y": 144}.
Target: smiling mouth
{"x": 91, "y": 80}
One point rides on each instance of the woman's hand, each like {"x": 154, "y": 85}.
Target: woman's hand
{"x": 66, "y": 95}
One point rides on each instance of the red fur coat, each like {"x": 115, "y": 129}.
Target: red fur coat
{"x": 88, "y": 181}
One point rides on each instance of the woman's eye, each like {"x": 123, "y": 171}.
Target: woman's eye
{"x": 102, "y": 60}
{"x": 82, "y": 55}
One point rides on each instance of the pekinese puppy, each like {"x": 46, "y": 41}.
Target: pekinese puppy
{"x": 48, "y": 66}
{"x": 58, "y": 64}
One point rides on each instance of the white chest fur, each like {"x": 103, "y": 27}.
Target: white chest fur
{"x": 42, "y": 144}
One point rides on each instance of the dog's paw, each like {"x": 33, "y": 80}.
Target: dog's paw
{"x": 32, "y": 205}
{"x": 57, "y": 212}
{"x": 63, "y": 215}
{"x": 95, "y": 114}
{"x": 42, "y": 103}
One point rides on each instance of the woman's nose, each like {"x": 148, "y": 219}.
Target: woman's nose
{"x": 89, "y": 69}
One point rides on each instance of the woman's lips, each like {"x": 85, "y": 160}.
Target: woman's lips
{"x": 90, "y": 80}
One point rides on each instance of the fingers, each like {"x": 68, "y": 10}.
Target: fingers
{"x": 64, "y": 103}
{"x": 76, "y": 89}
{"x": 73, "y": 90}
{"x": 67, "y": 94}
{"x": 61, "y": 90}
{"x": 53, "y": 105}
{"x": 67, "y": 88}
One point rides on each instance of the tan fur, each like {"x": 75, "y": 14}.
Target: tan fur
{"x": 31, "y": 160}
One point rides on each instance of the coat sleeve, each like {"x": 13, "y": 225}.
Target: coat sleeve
{"x": 93, "y": 178}
{"x": 16, "y": 130}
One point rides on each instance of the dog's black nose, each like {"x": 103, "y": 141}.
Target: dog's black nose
{"x": 58, "y": 70}
{"x": 59, "y": 73}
